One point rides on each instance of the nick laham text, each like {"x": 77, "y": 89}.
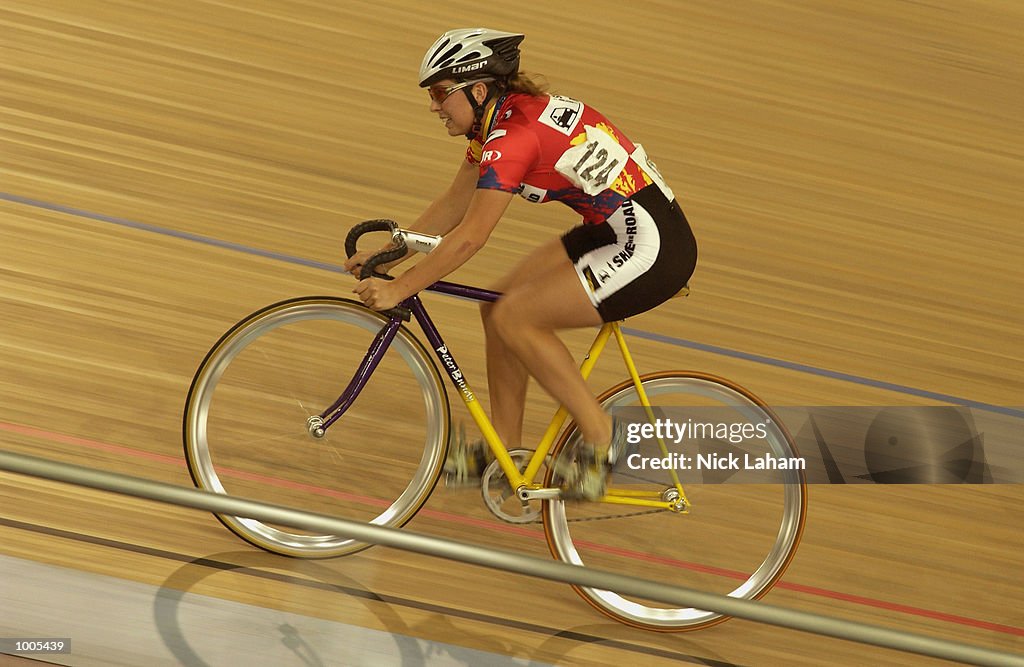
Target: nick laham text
{"x": 716, "y": 462}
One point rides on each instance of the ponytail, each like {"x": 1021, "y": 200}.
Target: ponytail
{"x": 527, "y": 84}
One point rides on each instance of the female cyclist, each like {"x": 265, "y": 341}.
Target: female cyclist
{"x": 633, "y": 250}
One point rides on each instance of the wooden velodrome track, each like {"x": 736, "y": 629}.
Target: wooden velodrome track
{"x": 853, "y": 172}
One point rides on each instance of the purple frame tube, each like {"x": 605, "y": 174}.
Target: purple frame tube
{"x": 464, "y": 291}
{"x": 382, "y": 341}
{"x": 380, "y": 345}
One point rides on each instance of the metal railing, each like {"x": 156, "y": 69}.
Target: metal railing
{"x": 508, "y": 561}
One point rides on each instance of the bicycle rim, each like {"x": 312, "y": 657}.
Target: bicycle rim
{"x": 737, "y": 539}
{"x": 245, "y": 431}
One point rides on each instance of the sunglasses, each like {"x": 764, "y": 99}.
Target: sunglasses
{"x": 439, "y": 93}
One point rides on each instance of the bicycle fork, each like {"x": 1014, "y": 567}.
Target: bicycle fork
{"x": 317, "y": 425}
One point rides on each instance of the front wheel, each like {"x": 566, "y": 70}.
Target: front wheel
{"x": 245, "y": 422}
{"x": 739, "y": 535}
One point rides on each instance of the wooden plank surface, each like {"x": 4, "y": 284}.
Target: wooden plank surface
{"x": 852, "y": 171}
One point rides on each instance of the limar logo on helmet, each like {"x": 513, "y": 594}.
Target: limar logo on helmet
{"x": 469, "y": 68}
{"x": 476, "y": 51}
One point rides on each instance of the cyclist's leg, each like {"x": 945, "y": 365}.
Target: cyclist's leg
{"x": 641, "y": 255}
{"x": 507, "y": 380}
{"x": 507, "y": 377}
{"x": 525, "y": 320}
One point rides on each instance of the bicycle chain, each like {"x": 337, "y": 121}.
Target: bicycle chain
{"x": 604, "y": 518}
{"x": 619, "y": 516}
{"x": 657, "y": 510}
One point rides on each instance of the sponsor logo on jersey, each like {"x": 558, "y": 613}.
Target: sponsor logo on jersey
{"x": 496, "y": 134}
{"x": 562, "y": 113}
{"x": 490, "y": 156}
{"x": 532, "y": 194}
{"x": 564, "y": 116}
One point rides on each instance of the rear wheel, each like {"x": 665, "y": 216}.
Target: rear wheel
{"x": 737, "y": 539}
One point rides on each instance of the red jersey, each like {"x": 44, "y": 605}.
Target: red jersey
{"x": 556, "y": 148}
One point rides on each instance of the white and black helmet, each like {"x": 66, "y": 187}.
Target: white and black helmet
{"x": 471, "y": 53}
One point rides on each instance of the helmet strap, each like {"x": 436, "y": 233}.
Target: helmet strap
{"x": 480, "y": 108}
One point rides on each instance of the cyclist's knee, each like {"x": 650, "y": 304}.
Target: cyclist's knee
{"x": 505, "y": 316}
{"x": 486, "y": 309}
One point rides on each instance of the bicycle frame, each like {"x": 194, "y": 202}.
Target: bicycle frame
{"x": 523, "y": 483}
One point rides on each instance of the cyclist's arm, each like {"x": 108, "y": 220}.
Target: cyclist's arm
{"x": 484, "y": 211}
{"x": 448, "y": 210}
{"x": 445, "y": 212}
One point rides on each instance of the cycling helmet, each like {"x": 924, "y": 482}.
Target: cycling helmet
{"x": 471, "y": 53}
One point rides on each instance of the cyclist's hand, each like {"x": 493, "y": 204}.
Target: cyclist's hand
{"x": 355, "y": 263}
{"x": 377, "y": 294}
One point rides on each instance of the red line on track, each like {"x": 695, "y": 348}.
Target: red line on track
{"x": 96, "y": 445}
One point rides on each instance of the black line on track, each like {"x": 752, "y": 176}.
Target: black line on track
{"x": 364, "y": 594}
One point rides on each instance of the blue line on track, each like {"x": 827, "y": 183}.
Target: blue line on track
{"x": 669, "y": 340}
{"x": 824, "y": 372}
{"x": 206, "y": 240}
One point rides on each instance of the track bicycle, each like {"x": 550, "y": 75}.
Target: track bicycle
{"x": 321, "y": 403}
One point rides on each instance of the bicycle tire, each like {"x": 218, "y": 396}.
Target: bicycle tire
{"x": 579, "y": 533}
{"x": 245, "y": 433}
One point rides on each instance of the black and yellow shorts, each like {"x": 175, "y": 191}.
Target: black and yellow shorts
{"x": 639, "y": 257}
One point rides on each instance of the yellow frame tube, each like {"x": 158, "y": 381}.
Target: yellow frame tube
{"x": 508, "y": 466}
{"x": 526, "y": 478}
{"x": 646, "y": 402}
